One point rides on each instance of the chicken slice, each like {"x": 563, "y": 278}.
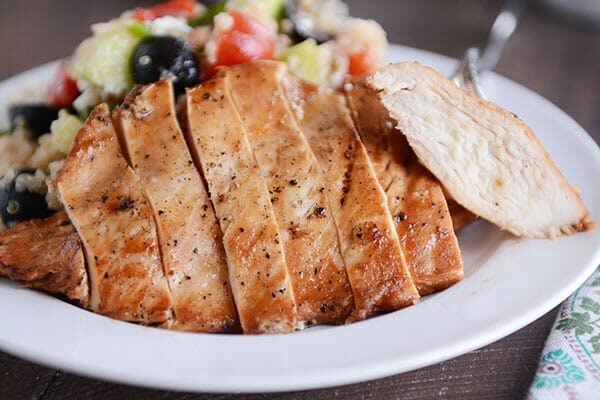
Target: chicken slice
{"x": 298, "y": 193}
{"x": 46, "y": 254}
{"x": 489, "y": 161}
{"x": 376, "y": 266}
{"x": 189, "y": 235}
{"x": 461, "y": 217}
{"x": 257, "y": 270}
{"x": 415, "y": 198}
{"x": 106, "y": 204}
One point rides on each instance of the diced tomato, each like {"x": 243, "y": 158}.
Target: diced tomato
{"x": 177, "y": 8}
{"x": 247, "y": 40}
{"x": 63, "y": 89}
{"x": 360, "y": 64}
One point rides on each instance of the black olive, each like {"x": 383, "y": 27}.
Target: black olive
{"x": 35, "y": 118}
{"x": 17, "y": 206}
{"x": 158, "y": 57}
{"x": 315, "y": 19}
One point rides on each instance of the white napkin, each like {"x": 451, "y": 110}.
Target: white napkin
{"x": 570, "y": 364}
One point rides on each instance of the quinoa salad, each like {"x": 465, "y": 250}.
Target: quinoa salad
{"x": 185, "y": 41}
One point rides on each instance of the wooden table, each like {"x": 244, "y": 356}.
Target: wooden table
{"x": 556, "y": 58}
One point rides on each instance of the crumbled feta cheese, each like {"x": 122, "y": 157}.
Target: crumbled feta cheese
{"x": 339, "y": 66}
{"x": 89, "y": 97}
{"x": 363, "y": 36}
{"x": 170, "y": 26}
{"x": 223, "y": 23}
{"x": 322, "y": 15}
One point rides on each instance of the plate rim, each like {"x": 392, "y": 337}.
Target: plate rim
{"x": 343, "y": 375}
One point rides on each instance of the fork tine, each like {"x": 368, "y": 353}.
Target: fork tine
{"x": 467, "y": 75}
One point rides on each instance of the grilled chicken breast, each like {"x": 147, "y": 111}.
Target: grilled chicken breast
{"x": 189, "y": 235}
{"x": 106, "y": 204}
{"x": 415, "y": 198}
{"x": 297, "y": 191}
{"x": 257, "y": 269}
{"x": 461, "y": 217}
{"x": 46, "y": 254}
{"x": 467, "y": 142}
{"x": 376, "y": 266}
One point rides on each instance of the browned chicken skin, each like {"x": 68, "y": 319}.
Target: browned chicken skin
{"x": 297, "y": 191}
{"x": 257, "y": 270}
{"x": 106, "y": 204}
{"x": 46, "y": 254}
{"x": 415, "y": 198}
{"x": 374, "y": 260}
{"x": 189, "y": 234}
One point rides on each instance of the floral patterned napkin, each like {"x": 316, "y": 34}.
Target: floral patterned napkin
{"x": 570, "y": 364}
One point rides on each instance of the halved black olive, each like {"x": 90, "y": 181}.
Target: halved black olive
{"x": 316, "y": 19}
{"x": 158, "y": 57}
{"x": 17, "y": 206}
{"x": 36, "y": 118}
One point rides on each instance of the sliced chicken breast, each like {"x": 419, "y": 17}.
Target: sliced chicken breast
{"x": 257, "y": 269}
{"x": 189, "y": 235}
{"x": 467, "y": 142}
{"x": 376, "y": 266}
{"x": 297, "y": 192}
{"x": 415, "y": 198}
{"x": 46, "y": 254}
{"x": 107, "y": 205}
{"x": 461, "y": 217}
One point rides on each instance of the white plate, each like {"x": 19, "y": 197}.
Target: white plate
{"x": 508, "y": 284}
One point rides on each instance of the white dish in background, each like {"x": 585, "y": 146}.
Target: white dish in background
{"x": 508, "y": 284}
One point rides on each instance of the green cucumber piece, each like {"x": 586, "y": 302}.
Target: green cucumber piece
{"x": 309, "y": 61}
{"x": 139, "y": 29}
{"x": 103, "y": 59}
{"x": 64, "y": 130}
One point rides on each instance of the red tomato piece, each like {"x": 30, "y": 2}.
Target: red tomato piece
{"x": 248, "y": 40}
{"x": 360, "y": 64}
{"x": 63, "y": 89}
{"x": 178, "y": 8}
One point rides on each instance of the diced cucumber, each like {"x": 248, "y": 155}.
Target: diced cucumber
{"x": 139, "y": 29}
{"x": 273, "y": 8}
{"x": 103, "y": 59}
{"x": 309, "y": 61}
{"x": 64, "y": 130}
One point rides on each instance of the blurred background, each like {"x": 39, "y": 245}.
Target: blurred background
{"x": 555, "y": 54}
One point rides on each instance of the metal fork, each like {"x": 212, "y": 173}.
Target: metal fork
{"x": 474, "y": 62}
